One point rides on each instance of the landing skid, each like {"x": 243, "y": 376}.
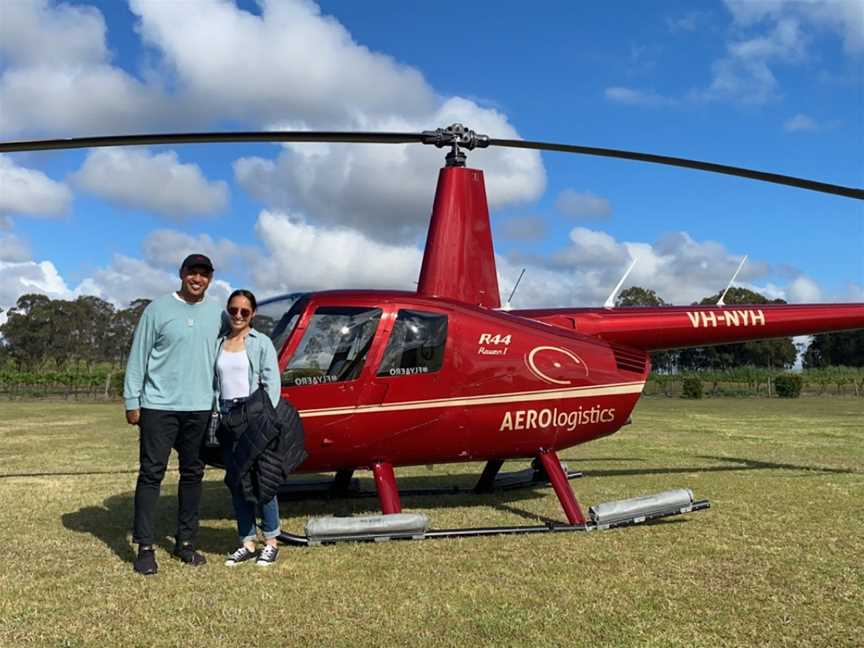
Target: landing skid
{"x": 345, "y": 486}
{"x": 431, "y": 534}
{"x": 393, "y": 524}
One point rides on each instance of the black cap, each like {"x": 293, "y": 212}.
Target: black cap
{"x": 196, "y": 260}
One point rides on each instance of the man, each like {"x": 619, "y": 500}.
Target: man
{"x": 168, "y": 393}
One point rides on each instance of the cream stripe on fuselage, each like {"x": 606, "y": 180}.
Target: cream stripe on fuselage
{"x": 470, "y": 401}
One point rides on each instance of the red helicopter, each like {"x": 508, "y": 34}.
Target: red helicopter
{"x": 385, "y": 379}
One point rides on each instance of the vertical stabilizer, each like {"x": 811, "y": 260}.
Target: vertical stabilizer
{"x": 459, "y": 262}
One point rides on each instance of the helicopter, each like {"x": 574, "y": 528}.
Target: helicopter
{"x": 444, "y": 374}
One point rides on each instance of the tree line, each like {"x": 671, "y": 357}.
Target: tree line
{"x": 67, "y": 335}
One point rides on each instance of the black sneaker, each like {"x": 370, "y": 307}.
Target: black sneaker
{"x": 268, "y": 556}
{"x": 185, "y": 551}
{"x": 242, "y": 555}
{"x": 145, "y": 563}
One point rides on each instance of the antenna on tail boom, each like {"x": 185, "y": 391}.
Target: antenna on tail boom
{"x": 507, "y": 305}
{"x": 720, "y": 301}
{"x": 610, "y": 301}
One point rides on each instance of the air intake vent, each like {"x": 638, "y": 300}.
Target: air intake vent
{"x": 629, "y": 359}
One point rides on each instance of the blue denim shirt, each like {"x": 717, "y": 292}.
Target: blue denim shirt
{"x": 263, "y": 365}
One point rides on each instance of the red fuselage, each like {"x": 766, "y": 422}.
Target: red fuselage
{"x": 506, "y": 387}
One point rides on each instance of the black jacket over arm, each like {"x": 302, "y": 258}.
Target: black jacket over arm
{"x": 266, "y": 446}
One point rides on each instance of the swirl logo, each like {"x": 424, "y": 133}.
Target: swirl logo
{"x": 556, "y": 365}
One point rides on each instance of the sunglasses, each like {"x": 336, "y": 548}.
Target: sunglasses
{"x": 233, "y": 311}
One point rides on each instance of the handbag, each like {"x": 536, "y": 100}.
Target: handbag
{"x": 211, "y": 440}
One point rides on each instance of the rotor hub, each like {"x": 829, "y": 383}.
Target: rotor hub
{"x": 457, "y": 137}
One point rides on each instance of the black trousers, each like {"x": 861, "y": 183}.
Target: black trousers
{"x": 161, "y": 430}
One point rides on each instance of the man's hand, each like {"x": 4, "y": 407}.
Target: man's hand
{"x": 133, "y": 416}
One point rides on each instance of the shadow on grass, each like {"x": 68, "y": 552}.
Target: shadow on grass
{"x": 86, "y": 473}
{"x": 112, "y": 522}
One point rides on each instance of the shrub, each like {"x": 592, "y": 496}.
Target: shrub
{"x": 691, "y": 388}
{"x": 788, "y": 385}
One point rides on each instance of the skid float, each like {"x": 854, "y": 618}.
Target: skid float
{"x": 395, "y": 525}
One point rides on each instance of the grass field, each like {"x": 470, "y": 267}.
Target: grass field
{"x": 776, "y": 561}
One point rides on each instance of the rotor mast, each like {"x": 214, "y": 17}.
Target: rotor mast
{"x": 459, "y": 260}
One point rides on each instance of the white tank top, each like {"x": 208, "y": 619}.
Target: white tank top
{"x": 233, "y": 368}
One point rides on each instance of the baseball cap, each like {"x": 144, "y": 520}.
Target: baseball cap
{"x": 196, "y": 260}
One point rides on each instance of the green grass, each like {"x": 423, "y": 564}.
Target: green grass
{"x": 777, "y": 560}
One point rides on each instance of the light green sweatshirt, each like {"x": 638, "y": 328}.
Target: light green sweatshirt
{"x": 171, "y": 362}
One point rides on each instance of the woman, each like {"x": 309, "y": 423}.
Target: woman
{"x": 245, "y": 361}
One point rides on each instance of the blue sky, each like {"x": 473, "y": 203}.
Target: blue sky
{"x": 776, "y": 86}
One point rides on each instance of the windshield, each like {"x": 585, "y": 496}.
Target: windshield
{"x": 334, "y": 347}
{"x": 277, "y": 317}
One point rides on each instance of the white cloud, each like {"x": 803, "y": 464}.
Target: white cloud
{"x": 800, "y": 123}
{"x": 21, "y": 278}
{"x": 772, "y": 32}
{"x": 13, "y": 249}
{"x": 300, "y": 257}
{"x": 167, "y": 249}
{"x": 680, "y": 269}
{"x": 522, "y": 228}
{"x": 304, "y": 257}
{"x": 854, "y": 292}
{"x": 36, "y": 31}
{"x": 28, "y": 191}
{"x": 127, "y": 279}
{"x": 157, "y": 183}
{"x": 689, "y": 22}
{"x": 745, "y": 75}
{"x": 804, "y": 290}
{"x": 582, "y": 204}
{"x": 273, "y": 81}
{"x": 56, "y": 55}
{"x": 843, "y": 17}
{"x": 633, "y": 97}
{"x": 289, "y": 62}
{"x": 356, "y": 186}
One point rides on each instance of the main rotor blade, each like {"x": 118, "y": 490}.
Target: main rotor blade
{"x": 803, "y": 183}
{"x": 409, "y": 138}
{"x": 206, "y": 138}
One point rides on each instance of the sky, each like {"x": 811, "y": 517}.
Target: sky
{"x": 775, "y": 85}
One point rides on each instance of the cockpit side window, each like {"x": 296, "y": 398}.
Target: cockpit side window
{"x": 276, "y": 318}
{"x": 416, "y": 345}
{"x": 334, "y": 346}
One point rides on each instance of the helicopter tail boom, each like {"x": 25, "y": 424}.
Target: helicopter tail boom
{"x": 675, "y": 327}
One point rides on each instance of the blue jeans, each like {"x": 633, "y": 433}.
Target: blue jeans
{"x": 245, "y": 513}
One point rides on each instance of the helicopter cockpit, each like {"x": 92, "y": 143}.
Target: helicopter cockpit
{"x": 337, "y": 340}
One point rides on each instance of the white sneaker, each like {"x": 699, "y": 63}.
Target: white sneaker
{"x": 239, "y": 557}
{"x": 268, "y": 556}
